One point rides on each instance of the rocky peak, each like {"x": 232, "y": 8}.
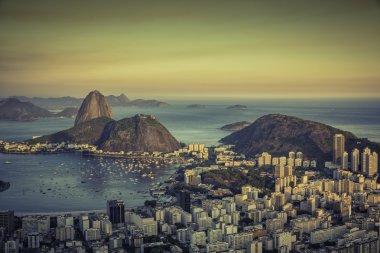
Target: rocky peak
{"x": 94, "y": 106}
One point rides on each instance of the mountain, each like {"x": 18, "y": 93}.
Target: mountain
{"x": 138, "y": 133}
{"x": 235, "y": 126}
{"x": 88, "y": 132}
{"x": 54, "y": 103}
{"x": 94, "y": 106}
{"x": 121, "y": 100}
{"x": 69, "y": 112}
{"x": 278, "y": 134}
{"x": 147, "y": 103}
{"x": 14, "y": 109}
{"x": 237, "y": 107}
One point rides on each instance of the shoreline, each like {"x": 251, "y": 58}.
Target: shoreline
{"x": 56, "y": 213}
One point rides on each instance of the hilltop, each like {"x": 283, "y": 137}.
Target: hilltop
{"x": 94, "y": 106}
{"x": 278, "y": 134}
{"x": 14, "y": 109}
{"x": 138, "y": 133}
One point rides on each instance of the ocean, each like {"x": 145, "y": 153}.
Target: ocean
{"x": 32, "y": 176}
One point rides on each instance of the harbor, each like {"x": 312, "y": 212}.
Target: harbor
{"x": 70, "y": 182}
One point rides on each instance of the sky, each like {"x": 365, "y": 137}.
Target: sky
{"x": 190, "y": 49}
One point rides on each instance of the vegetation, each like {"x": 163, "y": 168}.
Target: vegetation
{"x": 151, "y": 203}
{"x": 234, "y": 179}
{"x": 279, "y": 134}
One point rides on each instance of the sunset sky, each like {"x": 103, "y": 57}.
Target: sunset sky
{"x": 158, "y": 49}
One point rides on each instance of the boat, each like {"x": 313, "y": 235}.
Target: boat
{"x": 7, "y": 162}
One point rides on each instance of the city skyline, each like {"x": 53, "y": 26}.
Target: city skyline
{"x": 239, "y": 49}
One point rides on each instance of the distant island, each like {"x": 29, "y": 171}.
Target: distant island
{"x": 147, "y": 103}
{"x": 59, "y": 103}
{"x": 13, "y": 109}
{"x": 278, "y": 134}
{"x": 200, "y": 106}
{"x": 28, "y": 109}
{"x": 237, "y": 107}
{"x": 69, "y": 112}
{"x": 235, "y": 126}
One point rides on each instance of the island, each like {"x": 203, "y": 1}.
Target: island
{"x": 200, "y": 106}
{"x": 147, "y": 103}
{"x": 237, "y": 107}
{"x": 60, "y": 103}
{"x": 69, "y": 112}
{"x": 14, "y": 110}
{"x": 235, "y": 126}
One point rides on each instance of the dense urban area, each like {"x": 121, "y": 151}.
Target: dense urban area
{"x": 219, "y": 201}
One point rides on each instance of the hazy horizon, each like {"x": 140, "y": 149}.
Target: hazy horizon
{"x": 181, "y": 49}
{"x": 203, "y": 97}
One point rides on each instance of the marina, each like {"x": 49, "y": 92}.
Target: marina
{"x": 71, "y": 182}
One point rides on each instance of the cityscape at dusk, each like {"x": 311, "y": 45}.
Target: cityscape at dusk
{"x": 189, "y": 126}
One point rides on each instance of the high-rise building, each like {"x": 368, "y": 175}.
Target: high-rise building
{"x": 290, "y": 161}
{"x": 345, "y": 161}
{"x": 184, "y": 200}
{"x": 279, "y": 171}
{"x": 255, "y": 247}
{"x": 338, "y": 149}
{"x": 7, "y": 220}
{"x": 115, "y": 211}
{"x": 369, "y": 162}
{"x": 299, "y": 155}
{"x": 34, "y": 240}
{"x": 92, "y": 234}
{"x": 265, "y": 159}
{"x": 365, "y": 160}
{"x": 288, "y": 170}
{"x": 292, "y": 155}
{"x": 298, "y": 162}
{"x": 11, "y": 246}
{"x": 372, "y": 165}
{"x": 375, "y": 158}
{"x": 64, "y": 233}
{"x": 355, "y": 160}
{"x": 191, "y": 177}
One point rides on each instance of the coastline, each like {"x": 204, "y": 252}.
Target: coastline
{"x": 56, "y": 213}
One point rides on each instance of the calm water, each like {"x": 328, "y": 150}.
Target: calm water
{"x": 33, "y": 175}
{"x": 69, "y": 182}
{"x": 362, "y": 117}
